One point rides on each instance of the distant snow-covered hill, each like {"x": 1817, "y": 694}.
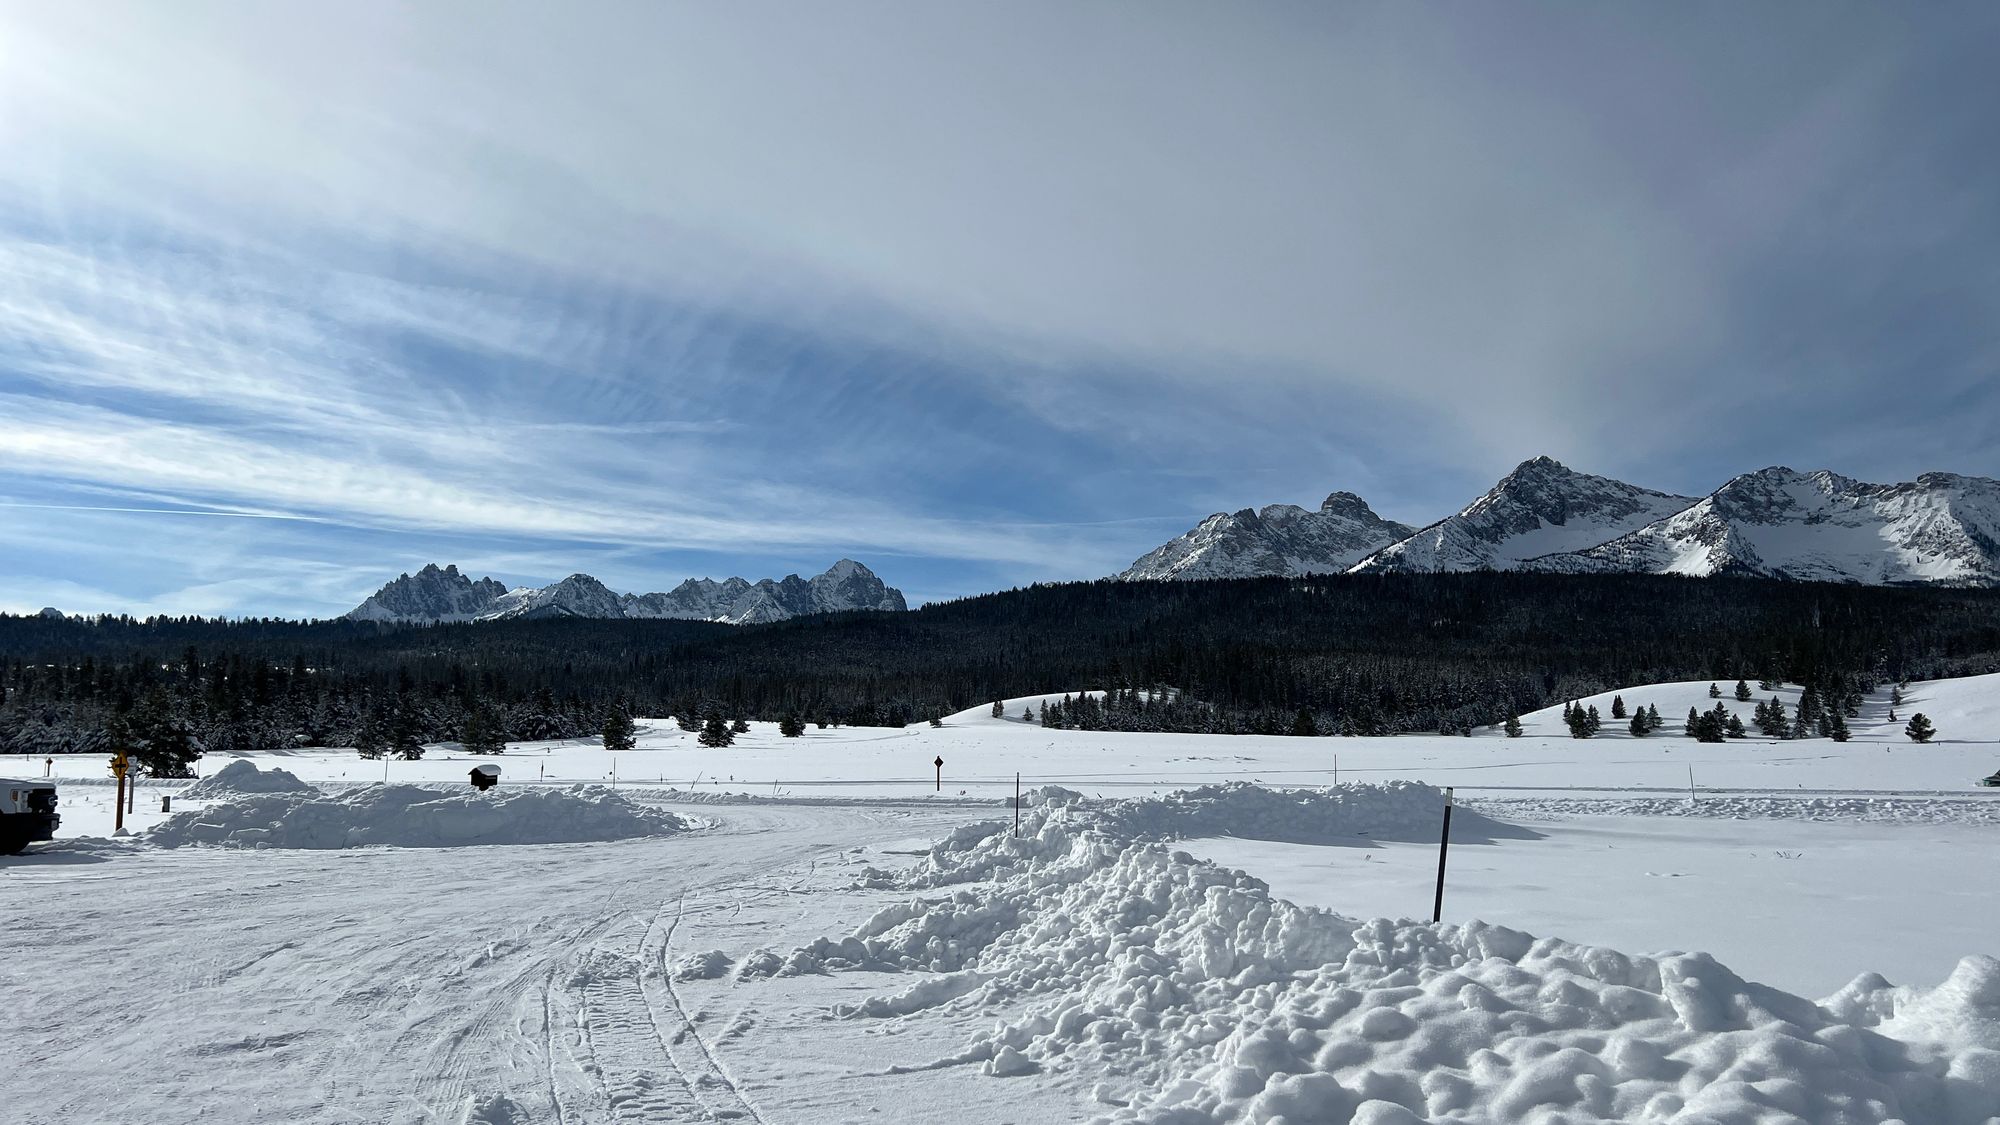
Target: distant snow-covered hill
{"x": 1282, "y": 539}
{"x": 1941, "y": 529}
{"x": 436, "y": 594}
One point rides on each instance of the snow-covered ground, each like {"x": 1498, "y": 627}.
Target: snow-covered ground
{"x": 769, "y": 935}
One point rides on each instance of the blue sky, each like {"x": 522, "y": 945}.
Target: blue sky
{"x": 296, "y": 297}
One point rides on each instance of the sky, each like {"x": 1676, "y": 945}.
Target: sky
{"x": 297, "y": 297}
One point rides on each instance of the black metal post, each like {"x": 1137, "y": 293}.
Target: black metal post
{"x": 1444, "y": 849}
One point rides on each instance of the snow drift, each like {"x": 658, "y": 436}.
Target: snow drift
{"x": 411, "y": 816}
{"x": 244, "y": 777}
{"x": 1208, "y": 1001}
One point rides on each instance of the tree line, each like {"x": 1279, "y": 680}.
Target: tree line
{"x": 1362, "y": 654}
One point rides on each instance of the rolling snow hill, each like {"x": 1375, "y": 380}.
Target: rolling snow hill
{"x": 437, "y": 594}
{"x": 1940, "y": 529}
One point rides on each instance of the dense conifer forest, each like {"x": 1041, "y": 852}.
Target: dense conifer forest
{"x": 1342, "y": 654}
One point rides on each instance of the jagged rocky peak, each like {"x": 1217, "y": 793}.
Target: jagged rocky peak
{"x": 1941, "y": 529}
{"x": 1278, "y": 539}
{"x": 443, "y": 594}
{"x": 1541, "y": 507}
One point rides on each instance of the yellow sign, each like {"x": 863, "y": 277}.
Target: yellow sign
{"x": 118, "y": 765}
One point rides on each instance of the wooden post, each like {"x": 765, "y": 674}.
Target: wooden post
{"x": 1444, "y": 849}
{"x": 118, "y": 808}
{"x": 1017, "y": 806}
{"x": 1690, "y": 784}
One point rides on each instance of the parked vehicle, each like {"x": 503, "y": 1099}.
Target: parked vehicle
{"x": 27, "y": 813}
{"x": 1991, "y": 781}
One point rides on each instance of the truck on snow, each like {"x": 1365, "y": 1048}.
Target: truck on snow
{"x": 27, "y": 813}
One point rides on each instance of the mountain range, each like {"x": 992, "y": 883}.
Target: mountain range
{"x": 438, "y": 594}
{"x": 1940, "y": 529}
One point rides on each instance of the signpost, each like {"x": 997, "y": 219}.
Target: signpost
{"x": 1444, "y": 848}
{"x": 119, "y": 765}
{"x": 940, "y": 773}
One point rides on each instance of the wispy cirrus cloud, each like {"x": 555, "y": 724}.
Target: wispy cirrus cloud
{"x": 667, "y": 285}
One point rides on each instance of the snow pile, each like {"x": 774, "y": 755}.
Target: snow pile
{"x": 1874, "y": 810}
{"x": 241, "y": 776}
{"x": 415, "y": 817}
{"x": 1398, "y": 810}
{"x": 1208, "y": 1001}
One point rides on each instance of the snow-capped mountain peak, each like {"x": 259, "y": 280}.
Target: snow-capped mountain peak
{"x": 436, "y": 594}
{"x": 1281, "y": 539}
{"x": 1541, "y": 507}
{"x": 1941, "y": 529}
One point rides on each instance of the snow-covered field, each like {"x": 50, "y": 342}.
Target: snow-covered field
{"x": 767, "y": 933}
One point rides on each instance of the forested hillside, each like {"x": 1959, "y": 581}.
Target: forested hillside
{"x": 1360, "y": 653}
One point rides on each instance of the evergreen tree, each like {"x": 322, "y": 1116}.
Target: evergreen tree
{"x": 1653, "y": 720}
{"x": 371, "y": 738}
{"x": 1595, "y": 720}
{"x": 1896, "y": 696}
{"x": 1303, "y": 726}
{"x": 1578, "y": 721}
{"x": 1742, "y": 692}
{"x": 1617, "y": 706}
{"x": 1733, "y": 726}
{"x": 999, "y": 712}
{"x": 739, "y": 726}
{"x": 791, "y": 726}
{"x": 1837, "y": 727}
{"x": 937, "y": 720}
{"x": 481, "y": 733}
{"x": 1694, "y": 723}
{"x": 715, "y": 733}
{"x": 1513, "y": 726}
{"x": 1920, "y": 728}
{"x": 1714, "y": 692}
{"x": 1639, "y": 727}
{"x": 406, "y": 738}
{"x": 620, "y": 733}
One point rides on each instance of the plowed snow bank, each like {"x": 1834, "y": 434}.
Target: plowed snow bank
{"x": 414, "y": 817}
{"x": 1207, "y": 1001}
{"x": 244, "y": 777}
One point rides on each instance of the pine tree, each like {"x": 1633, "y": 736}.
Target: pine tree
{"x": 791, "y": 726}
{"x": 715, "y": 733}
{"x": 1513, "y": 726}
{"x": 481, "y": 733}
{"x": 619, "y": 730}
{"x": 1733, "y": 726}
{"x": 739, "y": 726}
{"x": 1617, "y": 706}
{"x": 1896, "y": 696}
{"x": 406, "y": 740}
{"x": 1920, "y": 728}
{"x": 1639, "y": 727}
{"x": 1742, "y": 692}
{"x": 1653, "y": 720}
{"x": 1578, "y": 721}
{"x": 371, "y": 737}
{"x": 937, "y": 720}
{"x": 1303, "y": 726}
{"x": 999, "y": 712}
{"x": 1694, "y": 722}
{"x": 1027, "y": 712}
{"x": 1714, "y": 692}
{"x": 1837, "y": 727}
{"x": 1595, "y": 720}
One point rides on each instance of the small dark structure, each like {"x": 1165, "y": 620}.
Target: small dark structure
{"x": 1991, "y": 782}
{"x": 485, "y": 777}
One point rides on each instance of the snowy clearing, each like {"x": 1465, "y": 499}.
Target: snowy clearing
{"x": 842, "y": 940}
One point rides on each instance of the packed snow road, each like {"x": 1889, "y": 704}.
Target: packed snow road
{"x": 486, "y": 984}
